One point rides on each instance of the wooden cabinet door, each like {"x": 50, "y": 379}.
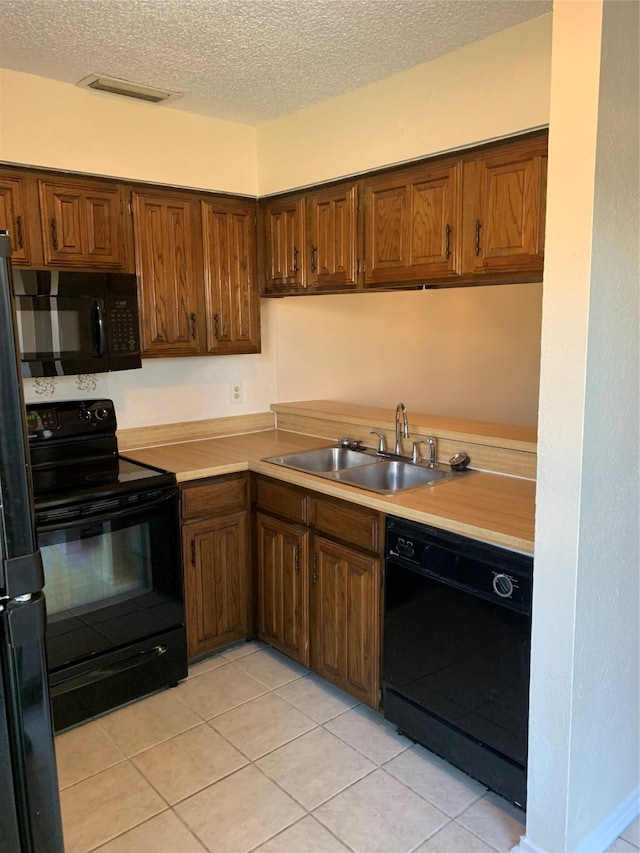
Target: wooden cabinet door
{"x": 13, "y": 219}
{"x": 166, "y": 267}
{"x": 233, "y": 305}
{"x": 345, "y": 618}
{"x": 510, "y": 209}
{"x": 81, "y": 225}
{"x": 282, "y": 575}
{"x": 216, "y": 581}
{"x": 414, "y": 224}
{"x": 333, "y": 238}
{"x": 284, "y": 225}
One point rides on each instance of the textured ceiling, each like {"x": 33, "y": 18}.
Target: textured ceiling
{"x": 245, "y": 60}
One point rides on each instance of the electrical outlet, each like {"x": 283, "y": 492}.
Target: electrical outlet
{"x": 235, "y": 391}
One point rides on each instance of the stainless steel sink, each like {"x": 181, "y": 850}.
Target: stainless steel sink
{"x": 392, "y": 476}
{"x": 363, "y": 468}
{"x": 324, "y": 460}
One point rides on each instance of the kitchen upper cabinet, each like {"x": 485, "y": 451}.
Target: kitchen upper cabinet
{"x": 413, "y": 224}
{"x": 345, "y": 614}
{"x": 82, "y": 225}
{"x": 283, "y": 226}
{"x": 282, "y": 576}
{"x": 215, "y": 544}
{"x": 167, "y": 260}
{"x": 232, "y": 300}
{"x": 333, "y": 238}
{"x": 509, "y": 184}
{"x": 13, "y": 218}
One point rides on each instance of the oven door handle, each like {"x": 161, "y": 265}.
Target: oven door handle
{"x": 75, "y": 518}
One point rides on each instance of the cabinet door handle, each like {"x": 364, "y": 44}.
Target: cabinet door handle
{"x": 295, "y": 260}
{"x": 19, "y": 230}
{"x": 193, "y": 552}
{"x": 447, "y": 248}
{"x": 54, "y": 234}
{"x": 314, "y": 249}
{"x": 297, "y": 559}
{"x": 315, "y": 568}
{"x": 194, "y": 331}
{"x": 216, "y": 326}
{"x": 478, "y": 227}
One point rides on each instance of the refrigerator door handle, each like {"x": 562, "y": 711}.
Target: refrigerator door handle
{"x": 22, "y": 575}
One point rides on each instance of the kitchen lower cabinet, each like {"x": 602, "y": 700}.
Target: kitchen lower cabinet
{"x": 318, "y": 592}
{"x": 215, "y": 548}
{"x": 344, "y": 615}
{"x": 283, "y": 586}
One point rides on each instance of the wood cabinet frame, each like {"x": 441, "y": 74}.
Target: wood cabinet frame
{"x": 319, "y": 570}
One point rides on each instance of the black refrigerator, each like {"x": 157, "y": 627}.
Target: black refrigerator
{"x": 29, "y": 801}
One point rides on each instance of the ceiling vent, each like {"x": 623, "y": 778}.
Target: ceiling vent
{"x": 129, "y": 90}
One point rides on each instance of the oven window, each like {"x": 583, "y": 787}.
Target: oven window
{"x": 112, "y": 580}
{"x": 95, "y": 566}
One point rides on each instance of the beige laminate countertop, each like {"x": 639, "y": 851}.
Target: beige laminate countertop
{"x": 491, "y": 507}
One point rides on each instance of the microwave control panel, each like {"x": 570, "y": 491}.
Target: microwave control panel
{"x": 123, "y": 321}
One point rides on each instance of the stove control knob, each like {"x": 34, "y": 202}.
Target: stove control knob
{"x": 84, "y": 415}
{"x": 102, "y": 413}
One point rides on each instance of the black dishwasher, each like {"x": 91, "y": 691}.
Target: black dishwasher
{"x": 457, "y": 639}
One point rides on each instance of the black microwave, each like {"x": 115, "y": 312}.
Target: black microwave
{"x": 76, "y": 322}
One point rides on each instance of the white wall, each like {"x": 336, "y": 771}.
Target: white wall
{"x": 495, "y": 87}
{"x": 467, "y": 352}
{"x": 61, "y": 126}
{"x": 584, "y": 742}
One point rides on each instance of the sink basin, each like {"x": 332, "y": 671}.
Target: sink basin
{"x": 364, "y": 469}
{"x": 392, "y": 476}
{"x": 324, "y": 460}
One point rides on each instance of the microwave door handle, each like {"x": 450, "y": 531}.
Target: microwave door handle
{"x": 100, "y": 328}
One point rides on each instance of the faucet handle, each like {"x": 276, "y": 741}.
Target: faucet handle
{"x": 415, "y": 451}
{"x": 382, "y": 445}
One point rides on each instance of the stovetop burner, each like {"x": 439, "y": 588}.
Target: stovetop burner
{"x": 74, "y": 453}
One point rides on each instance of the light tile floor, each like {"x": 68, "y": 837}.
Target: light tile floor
{"x": 254, "y": 753}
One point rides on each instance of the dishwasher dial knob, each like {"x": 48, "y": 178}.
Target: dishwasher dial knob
{"x": 503, "y": 585}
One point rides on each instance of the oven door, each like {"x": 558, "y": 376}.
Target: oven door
{"x": 113, "y": 587}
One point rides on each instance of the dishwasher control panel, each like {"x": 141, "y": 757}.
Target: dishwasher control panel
{"x": 476, "y": 567}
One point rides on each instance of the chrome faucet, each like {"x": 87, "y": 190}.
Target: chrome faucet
{"x": 430, "y": 458}
{"x": 401, "y": 411}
